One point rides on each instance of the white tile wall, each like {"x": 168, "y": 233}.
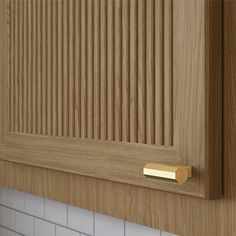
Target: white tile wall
{"x": 7, "y": 217}
{"x": 24, "y": 224}
{"x": 3, "y": 232}
{"x": 22, "y": 214}
{"x": 11, "y": 233}
{"x": 107, "y": 226}
{"x": 15, "y": 199}
{"x": 3, "y": 196}
{"x": 44, "y": 228}
{"x": 56, "y": 212}
{"x": 61, "y": 231}
{"x": 34, "y": 205}
{"x": 80, "y": 220}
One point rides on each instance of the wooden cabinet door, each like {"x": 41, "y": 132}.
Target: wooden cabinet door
{"x": 102, "y": 87}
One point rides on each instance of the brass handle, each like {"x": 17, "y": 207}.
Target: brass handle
{"x": 180, "y": 174}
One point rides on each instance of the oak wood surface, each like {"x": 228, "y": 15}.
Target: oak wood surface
{"x": 73, "y": 90}
{"x": 3, "y": 74}
{"x": 85, "y": 68}
{"x": 186, "y": 216}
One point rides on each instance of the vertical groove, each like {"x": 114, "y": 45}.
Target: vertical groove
{"x": 110, "y": 70}
{"x": 52, "y": 60}
{"x": 125, "y": 71}
{"x": 77, "y": 69}
{"x": 71, "y": 61}
{"x": 29, "y": 67}
{"x": 65, "y": 69}
{"x": 133, "y": 71}
{"x": 51, "y": 93}
{"x": 11, "y": 71}
{"x": 39, "y": 68}
{"x": 60, "y": 65}
{"x": 168, "y": 55}
{"x": 34, "y": 74}
{"x": 49, "y": 65}
{"x": 117, "y": 70}
{"x": 16, "y": 113}
{"x": 43, "y": 64}
{"x": 8, "y": 80}
{"x": 96, "y": 74}
{"x": 103, "y": 75}
{"x": 9, "y": 76}
{"x": 141, "y": 72}
{"x": 90, "y": 69}
{"x": 159, "y": 73}
{"x": 20, "y": 65}
{"x": 24, "y": 74}
{"x": 150, "y": 72}
{"x": 83, "y": 70}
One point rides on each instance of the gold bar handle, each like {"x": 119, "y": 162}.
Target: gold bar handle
{"x": 180, "y": 174}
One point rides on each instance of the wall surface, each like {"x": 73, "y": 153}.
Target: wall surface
{"x": 28, "y": 215}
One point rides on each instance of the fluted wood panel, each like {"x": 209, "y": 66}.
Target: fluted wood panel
{"x": 97, "y": 69}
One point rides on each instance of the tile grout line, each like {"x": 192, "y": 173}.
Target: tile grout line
{"x": 14, "y": 219}
{"x": 44, "y": 211}
{"x": 48, "y": 221}
{"x": 124, "y": 229}
{"x": 24, "y": 201}
{"x": 34, "y": 227}
{"x": 93, "y": 223}
{"x": 36, "y": 217}
{"x": 8, "y": 229}
{"x": 67, "y": 215}
{"x": 43, "y": 218}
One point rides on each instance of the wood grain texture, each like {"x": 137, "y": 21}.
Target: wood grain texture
{"x": 131, "y": 80}
{"x": 186, "y": 216}
{"x": 85, "y": 69}
{"x": 5, "y": 70}
{"x": 213, "y": 101}
{"x": 194, "y": 131}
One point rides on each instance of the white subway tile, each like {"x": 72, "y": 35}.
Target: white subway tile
{"x": 24, "y": 224}
{"x": 61, "y": 231}
{"x": 15, "y": 199}
{"x": 3, "y": 196}
{"x": 56, "y": 212}
{"x": 3, "y": 232}
{"x": 43, "y": 228}
{"x": 11, "y": 233}
{"x": 80, "y": 219}
{"x": 34, "y": 205}
{"x": 132, "y": 229}
{"x": 167, "y": 234}
{"x": 107, "y": 226}
{"x": 7, "y": 217}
